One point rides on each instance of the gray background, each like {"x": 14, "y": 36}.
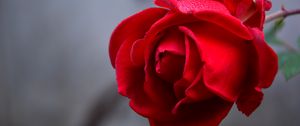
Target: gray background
{"x": 55, "y": 70}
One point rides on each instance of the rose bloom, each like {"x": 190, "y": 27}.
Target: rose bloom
{"x": 187, "y": 62}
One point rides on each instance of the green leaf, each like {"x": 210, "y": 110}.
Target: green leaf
{"x": 270, "y": 34}
{"x": 289, "y": 63}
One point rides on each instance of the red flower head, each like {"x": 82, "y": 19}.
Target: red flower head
{"x": 187, "y": 63}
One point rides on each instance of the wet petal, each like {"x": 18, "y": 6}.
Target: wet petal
{"x": 193, "y": 6}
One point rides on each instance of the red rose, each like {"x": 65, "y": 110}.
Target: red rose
{"x": 188, "y": 64}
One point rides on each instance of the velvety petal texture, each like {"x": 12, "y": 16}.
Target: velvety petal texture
{"x": 188, "y": 62}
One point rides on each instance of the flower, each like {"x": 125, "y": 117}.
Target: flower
{"x": 187, "y": 63}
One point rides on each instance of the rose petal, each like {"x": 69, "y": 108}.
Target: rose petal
{"x": 193, "y": 61}
{"x": 204, "y": 113}
{"x": 169, "y": 66}
{"x": 224, "y": 56}
{"x": 191, "y": 87}
{"x": 191, "y": 69}
{"x": 160, "y": 98}
{"x": 137, "y": 52}
{"x": 155, "y": 99}
{"x": 170, "y": 56}
{"x": 258, "y": 17}
{"x": 264, "y": 71}
{"x": 250, "y": 12}
{"x": 160, "y": 95}
{"x": 238, "y": 7}
{"x": 227, "y": 22}
{"x": 172, "y": 41}
{"x": 130, "y": 29}
{"x": 193, "y": 6}
{"x": 169, "y": 20}
{"x": 268, "y": 5}
{"x": 165, "y": 3}
{"x": 245, "y": 9}
{"x": 249, "y": 100}
{"x": 149, "y": 96}
{"x": 231, "y": 5}
{"x": 267, "y": 59}
{"x": 129, "y": 77}
{"x": 196, "y": 92}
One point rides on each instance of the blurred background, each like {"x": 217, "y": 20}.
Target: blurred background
{"x": 55, "y": 69}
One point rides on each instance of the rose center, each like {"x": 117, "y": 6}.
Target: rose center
{"x": 169, "y": 66}
{"x": 170, "y": 56}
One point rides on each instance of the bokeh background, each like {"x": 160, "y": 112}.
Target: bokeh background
{"x": 55, "y": 69}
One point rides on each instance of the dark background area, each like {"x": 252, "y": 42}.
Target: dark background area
{"x": 55, "y": 69}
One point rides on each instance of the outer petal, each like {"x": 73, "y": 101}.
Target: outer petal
{"x": 129, "y": 77}
{"x": 149, "y": 95}
{"x": 267, "y": 59}
{"x": 193, "y": 6}
{"x": 130, "y": 81}
{"x": 204, "y": 113}
{"x": 264, "y": 69}
{"x": 165, "y": 3}
{"x": 225, "y": 59}
{"x": 137, "y": 52}
{"x": 133, "y": 28}
{"x": 249, "y": 100}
